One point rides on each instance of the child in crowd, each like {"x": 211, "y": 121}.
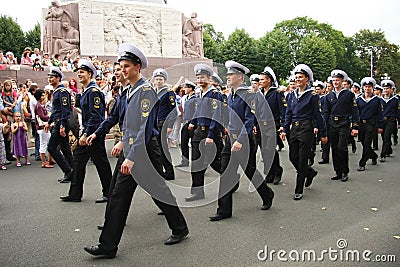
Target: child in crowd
{"x": 36, "y": 65}
{"x": 2, "y": 148}
{"x": 19, "y": 130}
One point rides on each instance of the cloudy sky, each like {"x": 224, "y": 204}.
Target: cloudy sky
{"x": 259, "y": 16}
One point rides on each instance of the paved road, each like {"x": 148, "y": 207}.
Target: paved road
{"x": 36, "y": 229}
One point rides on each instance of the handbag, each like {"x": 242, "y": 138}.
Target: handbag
{"x": 40, "y": 122}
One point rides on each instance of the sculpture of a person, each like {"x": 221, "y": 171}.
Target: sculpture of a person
{"x": 54, "y": 18}
{"x": 70, "y": 41}
{"x": 187, "y": 45}
{"x": 197, "y": 33}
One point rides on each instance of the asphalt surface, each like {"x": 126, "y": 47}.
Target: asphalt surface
{"x": 37, "y": 229}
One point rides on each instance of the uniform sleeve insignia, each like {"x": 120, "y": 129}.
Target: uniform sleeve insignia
{"x": 225, "y": 102}
{"x": 253, "y": 106}
{"x": 145, "y": 106}
{"x": 314, "y": 93}
{"x": 64, "y": 100}
{"x": 96, "y": 101}
{"x": 214, "y": 103}
{"x": 172, "y": 99}
{"x": 94, "y": 89}
{"x": 147, "y": 88}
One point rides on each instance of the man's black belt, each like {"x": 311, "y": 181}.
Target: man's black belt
{"x": 305, "y": 122}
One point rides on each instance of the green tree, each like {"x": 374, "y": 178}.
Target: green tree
{"x": 385, "y": 56}
{"x": 11, "y": 36}
{"x": 301, "y": 27}
{"x": 274, "y": 51}
{"x": 242, "y": 48}
{"x": 318, "y": 54}
{"x": 32, "y": 37}
{"x": 212, "y": 43}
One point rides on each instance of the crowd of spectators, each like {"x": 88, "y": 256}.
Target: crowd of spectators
{"x": 18, "y": 98}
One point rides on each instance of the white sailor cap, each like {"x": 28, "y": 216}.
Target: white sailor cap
{"x": 339, "y": 74}
{"x": 350, "y": 80}
{"x": 270, "y": 72}
{"x": 216, "y": 78}
{"x": 54, "y": 71}
{"x": 319, "y": 83}
{"x": 234, "y": 67}
{"x": 292, "y": 78}
{"x": 356, "y": 85}
{"x": 189, "y": 84}
{"x": 387, "y": 83}
{"x": 254, "y": 77}
{"x": 306, "y": 70}
{"x": 202, "y": 68}
{"x": 87, "y": 65}
{"x": 161, "y": 73}
{"x": 378, "y": 87}
{"x": 368, "y": 80}
{"x": 127, "y": 51}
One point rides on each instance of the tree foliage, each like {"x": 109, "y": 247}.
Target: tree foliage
{"x": 274, "y": 51}
{"x": 32, "y": 37}
{"x": 318, "y": 54}
{"x": 11, "y": 36}
{"x": 242, "y": 48}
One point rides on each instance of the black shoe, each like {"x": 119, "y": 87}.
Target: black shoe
{"x": 298, "y": 196}
{"x": 345, "y": 177}
{"x": 336, "y": 177}
{"x": 68, "y": 175}
{"x": 183, "y": 164}
{"x": 102, "y": 199}
{"x": 383, "y": 159}
{"x": 375, "y": 148}
{"x": 175, "y": 239}
{"x": 218, "y": 217}
{"x": 309, "y": 180}
{"x": 267, "y": 205}
{"x": 161, "y": 213}
{"x": 97, "y": 251}
{"x": 269, "y": 178}
{"x": 63, "y": 181}
{"x": 100, "y": 226}
{"x": 70, "y": 199}
{"x": 361, "y": 168}
{"x": 169, "y": 178}
{"x": 277, "y": 179}
{"x": 374, "y": 162}
{"x": 322, "y": 161}
{"x": 195, "y": 197}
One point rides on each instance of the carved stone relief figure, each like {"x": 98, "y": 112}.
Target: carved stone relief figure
{"x": 142, "y": 29}
{"x": 193, "y": 30}
{"x": 55, "y": 16}
{"x": 70, "y": 41}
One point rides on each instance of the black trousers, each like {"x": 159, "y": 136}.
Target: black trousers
{"x": 186, "y": 135}
{"x": 7, "y": 146}
{"x": 389, "y": 128}
{"x": 166, "y": 160}
{"x": 367, "y": 132}
{"x": 200, "y": 162}
{"x": 246, "y": 159}
{"x": 82, "y": 154}
{"x": 115, "y": 173}
{"x": 326, "y": 149}
{"x": 122, "y": 194}
{"x": 338, "y": 134}
{"x": 64, "y": 160}
{"x": 300, "y": 143}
